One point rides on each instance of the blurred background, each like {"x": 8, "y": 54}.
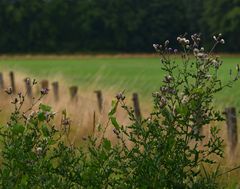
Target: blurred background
{"x": 112, "y": 26}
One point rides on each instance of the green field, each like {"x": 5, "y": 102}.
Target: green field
{"x": 134, "y": 74}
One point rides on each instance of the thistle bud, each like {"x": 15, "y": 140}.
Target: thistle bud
{"x": 222, "y": 41}
{"x": 156, "y": 47}
{"x": 163, "y": 102}
{"x": 168, "y": 79}
{"x": 195, "y": 51}
{"x": 44, "y": 91}
{"x": 166, "y": 43}
{"x": 120, "y": 96}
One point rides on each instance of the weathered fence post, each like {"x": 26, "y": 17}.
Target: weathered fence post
{"x": 136, "y": 106}
{"x": 231, "y": 119}
{"x": 94, "y": 122}
{"x": 99, "y": 99}
{"x": 28, "y": 87}
{"x": 44, "y": 84}
{"x": 73, "y": 93}
{"x": 1, "y": 81}
{"x": 12, "y": 80}
{"x": 55, "y": 91}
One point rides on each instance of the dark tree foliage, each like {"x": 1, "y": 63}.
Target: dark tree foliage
{"x": 46, "y": 26}
{"x": 224, "y": 16}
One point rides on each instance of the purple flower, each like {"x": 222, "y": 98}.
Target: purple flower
{"x": 44, "y": 91}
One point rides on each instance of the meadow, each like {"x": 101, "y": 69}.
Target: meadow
{"x": 141, "y": 74}
{"x": 111, "y": 74}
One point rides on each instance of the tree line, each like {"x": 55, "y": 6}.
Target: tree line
{"x": 67, "y": 26}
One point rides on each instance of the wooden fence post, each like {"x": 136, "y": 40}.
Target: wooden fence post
{"x": 28, "y": 87}
{"x": 231, "y": 119}
{"x": 55, "y": 91}
{"x": 94, "y": 122}
{"x": 136, "y": 106}
{"x": 12, "y": 80}
{"x": 44, "y": 84}
{"x": 99, "y": 99}
{"x": 73, "y": 93}
{"x": 1, "y": 81}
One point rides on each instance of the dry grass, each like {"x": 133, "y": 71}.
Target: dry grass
{"x": 83, "y": 111}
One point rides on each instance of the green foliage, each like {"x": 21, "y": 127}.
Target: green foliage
{"x": 223, "y": 16}
{"x": 165, "y": 150}
{"x": 42, "y": 26}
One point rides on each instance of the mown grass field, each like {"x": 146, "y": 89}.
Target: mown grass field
{"x": 134, "y": 74}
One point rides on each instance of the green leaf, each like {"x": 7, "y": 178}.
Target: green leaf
{"x": 167, "y": 114}
{"x": 24, "y": 180}
{"x": 17, "y": 129}
{"x": 198, "y": 90}
{"x": 41, "y": 116}
{"x": 196, "y": 153}
{"x": 45, "y": 131}
{"x": 45, "y": 108}
{"x": 114, "y": 108}
{"x": 183, "y": 110}
{"x": 114, "y": 122}
{"x": 106, "y": 144}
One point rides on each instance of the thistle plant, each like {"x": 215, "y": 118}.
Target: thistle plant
{"x": 169, "y": 149}
{"x": 34, "y": 152}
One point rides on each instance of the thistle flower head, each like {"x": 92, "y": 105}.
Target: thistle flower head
{"x": 44, "y": 91}
{"x": 167, "y": 79}
{"x": 156, "y": 46}
{"x": 166, "y": 43}
{"x": 120, "y": 96}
